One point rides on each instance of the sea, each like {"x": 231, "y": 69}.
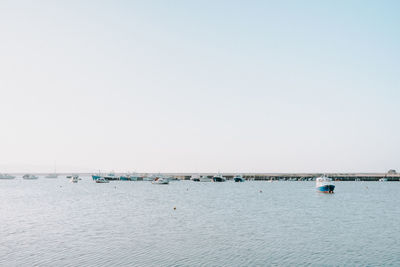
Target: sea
{"x": 52, "y": 222}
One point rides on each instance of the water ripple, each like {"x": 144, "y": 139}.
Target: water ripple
{"x": 55, "y": 223}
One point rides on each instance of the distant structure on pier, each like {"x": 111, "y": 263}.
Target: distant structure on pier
{"x": 392, "y": 172}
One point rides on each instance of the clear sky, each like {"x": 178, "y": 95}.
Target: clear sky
{"x": 200, "y": 86}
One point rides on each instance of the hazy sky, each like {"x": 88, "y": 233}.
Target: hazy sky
{"x": 200, "y": 86}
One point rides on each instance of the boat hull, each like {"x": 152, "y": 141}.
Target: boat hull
{"x": 326, "y": 188}
{"x": 161, "y": 182}
{"x": 102, "y": 181}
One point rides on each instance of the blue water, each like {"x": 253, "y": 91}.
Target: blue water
{"x": 51, "y": 222}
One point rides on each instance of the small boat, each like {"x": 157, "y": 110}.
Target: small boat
{"x": 171, "y": 179}
{"x": 383, "y": 180}
{"x": 218, "y": 178}
{"x": 54, "y": 174}
{"x": 6, "y": 176}
{"x": 111, "y": 176}
{"x": 150, "y": 177}
{"x": 30, "y": 177}
{"x": 95, "y": 177}
{"x": 195, "y": 178}
{"x": 205, "y": 179}
{"x": 160, "y": 181}
{"x": 68, "y": 176}
{"x": 134, "y": 178}
{"x": 357, "y": 180}
{"x": 325, "y": 184}
{"x": 101, "y": 180}
{"x": 238, "y": 179}
{"x": 124, "y": 178}
{"x": 74, "y": 179}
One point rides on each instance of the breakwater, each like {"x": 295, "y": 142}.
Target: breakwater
{"x": 297, "y": 176}
{"x": 260, "y": 176}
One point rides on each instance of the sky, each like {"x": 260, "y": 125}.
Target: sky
{"x": 199, "y": 86}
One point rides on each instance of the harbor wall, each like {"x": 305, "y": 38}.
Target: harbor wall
{"x": 296, "y": 176}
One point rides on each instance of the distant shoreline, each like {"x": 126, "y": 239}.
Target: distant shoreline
{"x": 262, "y": 176}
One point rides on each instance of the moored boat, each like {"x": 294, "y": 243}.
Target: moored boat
{"x": 95, "y": 177}
{"x": 172, "y": 179}
{"x": 6, "y": 176}
{"x": 124, "y": 178}
{"x": 205, "y": 179}
{"x": 324, "y": 184}
{"x": 135, "y": 178}
{"x": 238, "y": 179}
{"x": 383, "y": 180}
{"x": 160, "y": 181}
{"x": 195, "y": 178}
{"x": 74, "y": 179}
{"x": 218, "y": 178}
{"x": 101, "y": 180}
{"x": 54, "y": 174}
{"x": 111, "y": 176}
{"x": 30, "y": 177}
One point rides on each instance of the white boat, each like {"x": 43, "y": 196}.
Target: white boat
{"x": 30, "y": 177}
{"x": 74, "y": 179}
{"x": 238, "y": 179}
{"x": 205, "y": 179}
{"x": 101, "y": 180}
{"x": 160, "y": 181}
{"x": 6, "y": 176}
{"x": 54, "y": 174}
{"x": 383, "y": 180}
{"x": 218, "y": 178}
{"x": 324, "y": 184}
{"x": 150, "y": 177}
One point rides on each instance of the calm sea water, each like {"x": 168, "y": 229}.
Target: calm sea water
{"x": 51, "y": 222}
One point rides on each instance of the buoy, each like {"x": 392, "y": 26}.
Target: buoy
{"x": 174, "y": 208}
{"x": 260, "y": 191}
